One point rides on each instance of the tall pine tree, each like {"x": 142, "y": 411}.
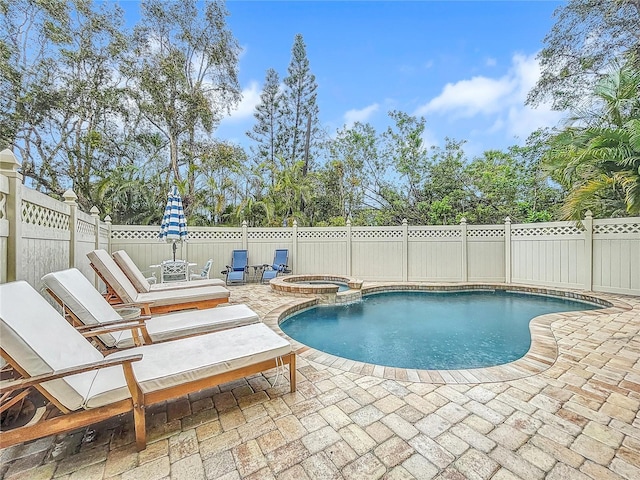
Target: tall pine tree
{"x": 267, "y": 131}
{"x": 300, "y": 111}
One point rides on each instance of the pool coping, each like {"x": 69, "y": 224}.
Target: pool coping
{"x": 542, "y": 354}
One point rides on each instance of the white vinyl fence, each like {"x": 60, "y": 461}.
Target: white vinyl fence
{"x": 39, "y": 235}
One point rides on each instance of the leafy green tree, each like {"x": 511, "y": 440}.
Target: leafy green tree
{"x": 183, "y": 74}
{"x": 598, "y": 160}
{"x": 219, "y": 167}
{"x": 587, "y": 36}
{"x": 445, "y": 196}
{"x": 355, "y": 169}
{"x": 62, "y": 97}
{"x": 405, "y": 148}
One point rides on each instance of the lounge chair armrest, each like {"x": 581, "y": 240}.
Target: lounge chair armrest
{"x": 45, "y": 377}
{"x": 99, "y": 330}
{"x": 140, "y": 305}
{"x": 114, "y": 323}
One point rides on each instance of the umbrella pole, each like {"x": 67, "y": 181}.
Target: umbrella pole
{"x": 175, "y": 247}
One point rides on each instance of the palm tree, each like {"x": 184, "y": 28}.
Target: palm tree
{"x": 598, "y": 160}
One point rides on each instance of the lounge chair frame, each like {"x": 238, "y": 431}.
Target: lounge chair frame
{"x": 114, "y": 299}
{"x": 137, "y": 404}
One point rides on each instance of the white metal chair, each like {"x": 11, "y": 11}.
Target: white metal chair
{"x": 204, "y": 273}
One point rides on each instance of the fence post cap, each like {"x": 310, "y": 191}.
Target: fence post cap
{"x": 95, "y": 212}
{"x": 507, "y": 220}
{"x": 588, "y": 214}
{"x": 107, "y": 219}
{"x": 463, "y": 221}
{"x": 8, "y": 161}
{"x": 404, "y": 221}
{"x": 70, "y": 197}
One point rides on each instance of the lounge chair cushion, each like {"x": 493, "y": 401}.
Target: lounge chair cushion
{"x": 79, "y": 296}
{"x": 133, "y": 273}
{"x": 184, "y": 295}
{"x": 113, "y": 275}
{"x": 76, "y": 292}
{"x": 208, "y": 355}
{"x": 36, "y": 336}
{"x": 127, "y": 292}
{"x": 140, "y": 283}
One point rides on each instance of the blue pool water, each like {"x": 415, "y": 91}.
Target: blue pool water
{"x": 427, "y": 330}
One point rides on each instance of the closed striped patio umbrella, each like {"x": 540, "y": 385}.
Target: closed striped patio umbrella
{"x": 174, "y": 223}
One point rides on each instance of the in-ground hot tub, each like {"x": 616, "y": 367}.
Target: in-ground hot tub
{"x": 328, "y": 288}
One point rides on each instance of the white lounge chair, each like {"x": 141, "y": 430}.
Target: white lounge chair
{"x": 87, "y": 387}
{"x": 121, "y": 290}
{"x": 88, "y": 308}
{"x": 142, "y": 285}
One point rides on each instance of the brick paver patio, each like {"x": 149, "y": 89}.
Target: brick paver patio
{"x": 575, "y": 418}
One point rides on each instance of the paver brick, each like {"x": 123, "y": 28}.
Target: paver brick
{"x": 320, "y": 439}
{"x": 400, "y": 426}
{"x": 357, "y": 438}
{"x": 475, "y": 465}
{"x": 340, "y": 453}
{"x": 248, "y": 457}
{"x": 367, "y": 467}
{"x": 432, "y": 451}
{"x": 287, "y": 456}
{"x": 188, "y": 467}
{"x": 433, "y": 425}
{"x": 420, "y": 467}
{"x": 516, "y": 464}
{"x": 154, "y": 470}
{"x": 508, "y": 437}
{"x": 394, "y": 451}
{"x": 593, "y": 449}
{"x": 320, "y": 466}
{"x": 219, "y": 464}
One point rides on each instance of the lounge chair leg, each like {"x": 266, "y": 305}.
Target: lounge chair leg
{"x": 292, "y": 372}
{"x": 140, "y": 427}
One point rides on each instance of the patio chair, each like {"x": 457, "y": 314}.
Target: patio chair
{"x": 85, "y": 387}
{"x": 204, "y": 273}
{"x": 121, "y": 290}
{"x": 280, "y": 260}
{"x": 141, "y": 284}
{"x": 237, "y": 271}
{"x": 86, "y": 308}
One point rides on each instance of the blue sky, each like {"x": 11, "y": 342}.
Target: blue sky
{"x": 466, "y": 66}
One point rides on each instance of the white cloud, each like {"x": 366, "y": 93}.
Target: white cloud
{"x": 246, "y": 107}
{"x": 491, "y": 62}
{"x": 362, "y": 115}
{"x": 500, "y": 102}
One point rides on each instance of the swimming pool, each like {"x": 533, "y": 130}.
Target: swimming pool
{"x": 427, "y": 330}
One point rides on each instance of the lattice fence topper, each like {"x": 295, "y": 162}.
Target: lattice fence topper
{"x": 444, "y": 233}
{"x": 3, "y": 206}
{"x": 134, "y": 234}
{"x": 215, "y": 234}
{"x": 616, "y": 228}
{"x": 86, "y": 228}
{"x": 376, "y": 234}
{"x": 542, "y": 231}
{"x": 322, "y": 234}
{"x": 486, "y": 233}
{"x": 44, "y": 217}
{"x": 270, "y": 235}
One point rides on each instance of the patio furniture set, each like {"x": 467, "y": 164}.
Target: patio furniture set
{"x": 124, "y": 368}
